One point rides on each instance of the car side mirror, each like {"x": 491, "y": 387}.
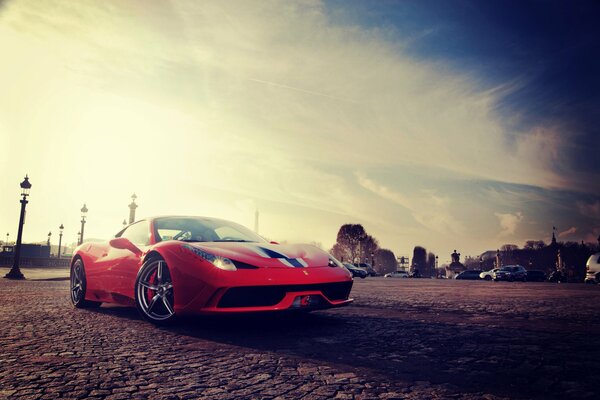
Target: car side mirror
{"x": 125, "y": 244}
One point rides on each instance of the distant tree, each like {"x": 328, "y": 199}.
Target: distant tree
{"x": 534, "y": 245}
{"x": 368, "y": 247}
{"x": 507, "y": 252}
{"x": 317, "y": 244}
{"x": 339, "y": 252}
{"x": 419, "y": 259}
{"x": 430, "y": 270}
{"x": 509, "y": 247}
{"x": 348, "y": 244}
{"x": 385, "y": 261}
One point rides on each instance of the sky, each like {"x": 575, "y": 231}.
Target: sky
{"x": 446, "y": 124}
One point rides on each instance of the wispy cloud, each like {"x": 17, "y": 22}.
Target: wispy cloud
{"x": 268, "y": 101}
{"x": 568, "y": 232}
{"x": 589, "y": 210}
{"x": 509, "y": 223}
{"x": 427, "y": 207}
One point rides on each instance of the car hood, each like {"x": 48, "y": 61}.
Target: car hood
{"x": 268, "y": 255}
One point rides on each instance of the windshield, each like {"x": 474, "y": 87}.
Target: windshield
{"x": 198, "y": 229}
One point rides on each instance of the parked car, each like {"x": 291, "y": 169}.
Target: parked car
{"x": 471, "y": 275}
{"x": 557, "y": 276}
{"x": 536, "y": 276}
{"x": 593, "y": 269}
{"x": 415, "y": 274}
{"x": 511, "y": 273}
{"x": 355, "y": 271}
{"x": 368, "y": 268}
{"x": 397, "y": 274}
{"x": 488, "y": 275}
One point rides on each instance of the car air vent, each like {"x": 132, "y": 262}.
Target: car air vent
{"x": 243, "y": 265}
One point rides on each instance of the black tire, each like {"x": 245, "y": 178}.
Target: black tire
{"x": 487, "y": 278}
{"x": 153, "y": 290}
{"x": 78, "y": 286}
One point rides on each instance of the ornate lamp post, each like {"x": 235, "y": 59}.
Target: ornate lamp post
{"x": 132, "y": 208}
{"x": 15, "y": 272}
{"x": 84, "y": 211}
{"x": 124, "y": 223}
{"x": 61, "y": 227}
{"x": 49, "y": 235}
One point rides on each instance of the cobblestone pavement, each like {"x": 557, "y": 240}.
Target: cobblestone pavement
{"x": 402, "y": 339}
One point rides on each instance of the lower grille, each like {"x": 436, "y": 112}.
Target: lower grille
{"x": 263, "y": 296}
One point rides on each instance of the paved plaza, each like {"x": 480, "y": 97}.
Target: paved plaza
{"x": 402, "y": 339}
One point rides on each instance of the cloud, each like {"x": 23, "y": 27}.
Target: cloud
{"x": 427, "y": 207}
{"x": 509, "y": 223}
{"x": 568, "y": 232}
{"x": 267, "y": 101}
{"x": 589, "y": 210}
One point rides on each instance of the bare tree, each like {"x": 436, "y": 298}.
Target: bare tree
{"x": 349, "y": 242}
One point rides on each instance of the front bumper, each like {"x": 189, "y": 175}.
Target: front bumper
{"x": 260, "y": 290}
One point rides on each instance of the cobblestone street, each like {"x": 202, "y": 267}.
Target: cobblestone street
{"x": 402, "y": 338}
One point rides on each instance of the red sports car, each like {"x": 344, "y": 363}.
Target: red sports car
{"x": 173, "y": 266}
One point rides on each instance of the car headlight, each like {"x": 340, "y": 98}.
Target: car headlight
{"x": 220, "y": 262}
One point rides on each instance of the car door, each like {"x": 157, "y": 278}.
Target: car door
{"x": 128, "y": 262}
{"x": 123, "y": 264}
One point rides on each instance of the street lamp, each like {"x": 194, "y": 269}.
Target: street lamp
{"x": 84, "y": 211}
{"x": 61, "y": 227}
{"x": 132, "y": 208}
{"x": 124, "y": 223}
{"x": 373, "y": 260}
{"x": 7, "y": 238}
{"x": 15, "y": 272}
{"x": 49, "y": 235}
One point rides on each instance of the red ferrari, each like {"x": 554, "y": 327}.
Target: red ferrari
{"x": 174, "y": 266}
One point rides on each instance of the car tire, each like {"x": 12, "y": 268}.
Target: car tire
{"x": 153, "y": 290}
{"x": 487, "y": 278}
{"x": 78, "y": 286}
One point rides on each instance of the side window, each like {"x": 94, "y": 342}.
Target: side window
{"x": 138, "y": 233}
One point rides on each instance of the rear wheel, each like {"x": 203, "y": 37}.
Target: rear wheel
{"x": 154, "y": 292}
{"x": 487, "y": 278}
{"x": 79, "y": 286}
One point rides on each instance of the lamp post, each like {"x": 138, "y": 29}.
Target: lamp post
{"x": 61, "y": 227}
{"x": 373, "y": 260}
{"x": 15, "y": 272}
{"x": 124, "y": 223}
{"x": 7, "y": 238}
{"x": 84, "y": 211}
{"x": 49, "y": 235}
{"x": 132, "y": 208}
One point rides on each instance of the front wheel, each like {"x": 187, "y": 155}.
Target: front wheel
{"x": 154, "y": 292}
{"x": 79, "y": 286}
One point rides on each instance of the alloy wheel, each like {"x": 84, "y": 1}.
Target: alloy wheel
{"x": 154, "y": 291}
